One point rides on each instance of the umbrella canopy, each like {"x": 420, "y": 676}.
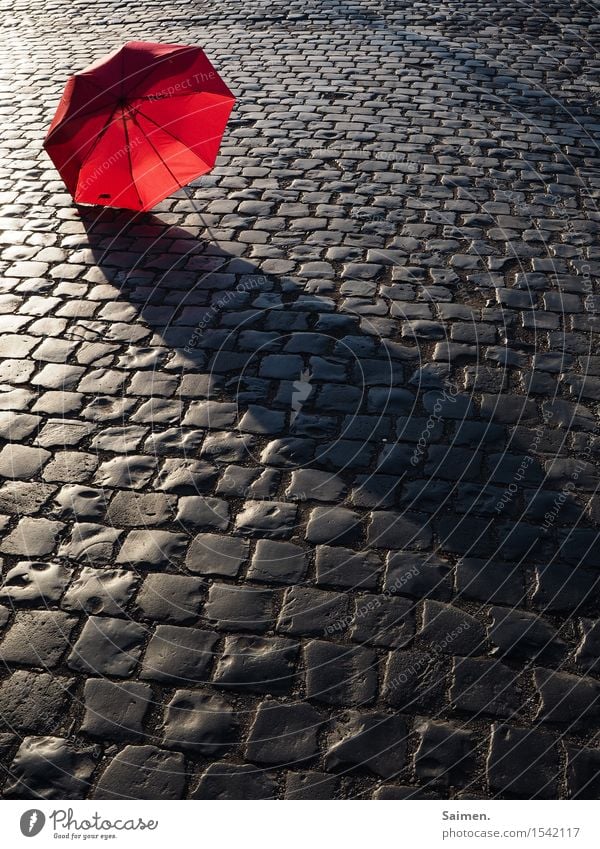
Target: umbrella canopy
{"x": 139, "y": 124}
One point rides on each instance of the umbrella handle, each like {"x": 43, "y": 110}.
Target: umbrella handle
{"x": 188, "y": 193}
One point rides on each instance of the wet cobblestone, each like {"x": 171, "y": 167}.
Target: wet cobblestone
{"x": 298, "y": 482}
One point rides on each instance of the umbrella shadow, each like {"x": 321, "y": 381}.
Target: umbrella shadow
{"x": 313, "y": 388}
{"x": 203, "y": 303}
{"x": 175, "y": 280}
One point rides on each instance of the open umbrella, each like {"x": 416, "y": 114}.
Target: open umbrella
{"x": 139, "y": 124}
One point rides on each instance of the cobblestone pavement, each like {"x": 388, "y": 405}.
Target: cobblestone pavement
{"x": 299, "y": 487}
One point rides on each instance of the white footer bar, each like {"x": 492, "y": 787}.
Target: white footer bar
{"x": 302, "y": 824}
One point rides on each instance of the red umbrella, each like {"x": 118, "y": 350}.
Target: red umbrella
{"x": 139, "y": 124}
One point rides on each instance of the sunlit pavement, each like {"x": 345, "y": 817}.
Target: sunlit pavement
{"x": 299, "y": 481}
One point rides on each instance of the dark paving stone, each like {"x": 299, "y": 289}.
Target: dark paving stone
{"x": 559, "y": 587}
{"x": 37, "y": 638}
{"x": 272, "y": 519}
{"x": 379, "y": 620}
{"x": 393, "y": 530}
{"x": 248, "y": 483}
{"x": 344, "y": 568}
{"x": 374, "y": 491}
{"x": 261, "y": 420}
{"x": 568, "y": 699}
{"x": 522, "y": 763}
{"x": 525, "y": 636}
{"x": 115, "y": 711}
{"x": 170, "y": 598}
{"x": 483, "y": 686}
{"x": 177, "y": 655}
{"x": 107, "y": 646}
{"x": 344, "y": 455}
{"x": 451, "y": 630}
{"x": 489, "y": 581}
{"x": 284, "y": 734}
{"x": 277, "y": 563}
{"x": 310, "y": 612}
{"x": 36, "y": 581}
{"x": 233, "y": 781}
{"x": 583, "y": 772}
{"x": 588, "y": 650}
{"x": 50, "y": 768}
{"x": 446, "y": 754}
{"x": 199, "y": 722}
{"x": 151, "y": 548}
{"x": 333, "y": 525}
{"x": 227, "y": 448}
{"x": 415, "y": 681}
{"x": 418, "y": 576}
{"x": 257, "y": 665}
{"x": 451, "y": 531}
{"x": 374, "y": 741}
{"x": 289, "y": 452}
{"x": 35, "y": 702}
{"x": 310, "y": 785}
{"x": 233, "y": 608}
{"x": 105, "y": 591}
{"x": 142, "y": 772}
{"x": 308, "y": 484}
{"x": 358, "y": 392}
{"x": 339, "y": 675}
{"x": 211, "y": 554}
{"x": 388, "y": 792}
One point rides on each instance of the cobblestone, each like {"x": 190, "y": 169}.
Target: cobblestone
{"x": 319, "y": 448}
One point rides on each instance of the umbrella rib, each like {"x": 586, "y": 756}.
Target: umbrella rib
{"x": 98, "y": 139}
{"x": 76, "y": 116}
{"x": 130, "y": 161}
{"x": 161, "y": 127}
{"x": 155, "y": 67}
{"x": 122, "y": 81}
{"x": 164, "y": 129}
{"x": 87, "y": 75}
{"x": 153, "y": 97}
{"x": 164, "y": 162}
{"x": 88, "y": 78}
